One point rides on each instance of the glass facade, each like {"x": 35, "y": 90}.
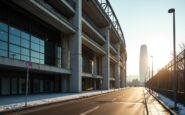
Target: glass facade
{"x": 18, "y": 44}
{"x": 17, "y": 85}
{"x": 26, "y": 38}
{"x": 90, "y": 64}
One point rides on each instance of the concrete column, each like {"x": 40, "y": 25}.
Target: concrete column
{"x": 117, "y": 67}
{"x": 122, "y": 73}
{"x": 106, "y": 63}
{"x": 125, "y": 75}
{"x": 123, "y": 82}
{"x": 76, "y": 51}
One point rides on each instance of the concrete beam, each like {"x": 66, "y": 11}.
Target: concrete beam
{"x": 19, "y": 64}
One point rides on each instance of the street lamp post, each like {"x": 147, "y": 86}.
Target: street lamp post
{"x": 172, "y": 10}
{"x": 152, "y": 71}
{"x": 28, "y": 65}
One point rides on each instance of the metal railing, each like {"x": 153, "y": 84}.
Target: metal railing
{"x": 53, "y": 11}
{"x": 90, "y": 39}
{"x": 163, "y": 81}
{"x": 71, "y": 3}
{"x": 106, "y": 6}
{"x": 93, "y": 24}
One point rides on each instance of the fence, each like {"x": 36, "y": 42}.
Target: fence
{"x": 163, "y": 81}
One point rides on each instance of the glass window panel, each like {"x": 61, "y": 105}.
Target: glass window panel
{"x": 25, "y": 51}
{"x": 34, "y": 54}
{"x": 25, "y": 58}
{"x": 14, "y": 55}
{"x": 25, "y": 43}
{"x": 22, "y": 86}
{"x": 35, "y": 47}
{"x": 42, "y": 42}
{"x": 3, "y": 45}
{"x": 5, "y": 86}
{"x": 35, "y": 39}
{"x": 41, "y": 49}
{"x": 3, "y": 53}
{"x": 41, "y": 61}
{"x": 15, "y": 31}
{"x": 14, "y": 86}
{"x": 14, "y": 39}
{"x": 25, "y": 35}
{"x": 34, "y": 60}
{"x": 14, "y": 48}
{"x": 41, "y": 56}
{"x": 3, "y": 36}
{"x": 3, "y": 26}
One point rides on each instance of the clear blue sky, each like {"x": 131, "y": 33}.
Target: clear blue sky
{"x": 148, "y": 22}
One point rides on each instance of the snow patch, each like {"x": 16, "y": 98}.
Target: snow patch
{"x": 170, "y": 103}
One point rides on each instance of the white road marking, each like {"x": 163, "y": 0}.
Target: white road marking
{"x": 128, "y": 103}
{"x": 89, "y": 111}
{"x": 114, "y": 99}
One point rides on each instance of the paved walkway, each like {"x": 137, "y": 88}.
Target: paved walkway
{"x": 154, "y": 107}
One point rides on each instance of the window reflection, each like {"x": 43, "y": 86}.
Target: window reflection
{"x": 3, "y": 45}
{"x": 14, "y": 31}
{"x": 3, "y": 27}
{"x": 35, "y": 46}
{"x": 25, "y": 58}
{"x": 21, "y": 45}
{"x": 3, "y": 53}
{"x": 34, "y": 54}
{"x": 25, "y": 51}
{"x": 14, "y": 48}
{"x": 34, "y": 60}
{"x": 3, "y": 36}
{"x": 42, "y": 49}
{"x": 25, "y": 35}
{"x": 35, "y": 40}
{"x": 14, "y": 40}
{"x": 25, "y": 43}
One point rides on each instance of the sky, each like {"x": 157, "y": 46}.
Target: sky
{"x": 148, "y": 22}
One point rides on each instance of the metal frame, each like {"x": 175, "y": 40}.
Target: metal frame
{"x": 106, "y": 6}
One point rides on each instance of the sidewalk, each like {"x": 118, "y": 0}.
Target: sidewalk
{"x": 18, "y": 102}
{"x": 154, "y": 107}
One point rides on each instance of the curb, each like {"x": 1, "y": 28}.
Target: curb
{"x": 51, "y": 103}
{"x": 164, "y": 105}
{"x": 147, "y": 112}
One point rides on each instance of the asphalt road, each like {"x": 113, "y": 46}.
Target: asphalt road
{"x": 129, "y": 101}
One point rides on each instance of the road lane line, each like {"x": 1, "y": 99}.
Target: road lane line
{"x": 114, "y": 99}
{"x": 89, "y": 111}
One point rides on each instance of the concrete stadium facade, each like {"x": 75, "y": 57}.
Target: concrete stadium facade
{"x": 73, "y": 46}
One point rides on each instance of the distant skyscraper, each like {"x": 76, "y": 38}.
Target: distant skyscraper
{"x": 143, "y": 63}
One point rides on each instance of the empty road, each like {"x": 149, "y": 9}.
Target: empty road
{"x": 129, "y": 101}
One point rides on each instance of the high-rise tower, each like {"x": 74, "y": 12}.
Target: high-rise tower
{"x": 143, "y": 63}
